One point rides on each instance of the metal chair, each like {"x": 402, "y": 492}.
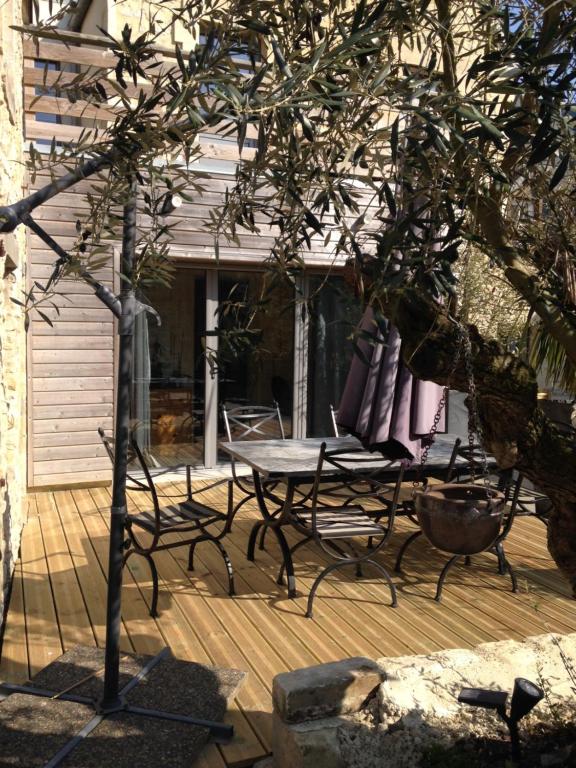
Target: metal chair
{"x": 530, "y": 502}
{"x": 338, "y": 529}
{"x": 527, "y": 501}
{"x": 249, "y": 422}
{"x": 473, "y": 469}
{"x": 189, "y": 518}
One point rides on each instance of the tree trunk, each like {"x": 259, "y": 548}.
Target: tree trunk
{"x": 562, "y": 538}
{"x": 515, "y": 430}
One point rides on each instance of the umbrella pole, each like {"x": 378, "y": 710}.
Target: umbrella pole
{"x": 111, "y": 700}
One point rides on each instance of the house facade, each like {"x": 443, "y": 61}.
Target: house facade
{"x": 297, "y": 359}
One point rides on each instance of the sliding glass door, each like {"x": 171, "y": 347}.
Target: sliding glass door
{"x": 258, "y": 354}
{"x": 168, "y": 386}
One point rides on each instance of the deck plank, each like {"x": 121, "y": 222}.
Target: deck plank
{"x": 42, "y": 631}
{"x": 59, "y": 590}
{"x": 90, "y": 575}
{"x": 73, "y": 619}
{"x": 14, "y": 662}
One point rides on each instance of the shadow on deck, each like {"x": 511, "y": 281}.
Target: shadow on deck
{"x": 58, "y": 601}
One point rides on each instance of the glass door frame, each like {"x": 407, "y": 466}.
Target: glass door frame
{"x": 300, "y": 362}
{"x": 300, "y": 355}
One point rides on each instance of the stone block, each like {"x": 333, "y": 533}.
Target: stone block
{"x": 267, "y": 762}
{"x": 307, "y": 745}
{"x": 336, "y": 688}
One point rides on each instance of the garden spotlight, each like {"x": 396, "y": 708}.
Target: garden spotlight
{"x": 524, "y": 698}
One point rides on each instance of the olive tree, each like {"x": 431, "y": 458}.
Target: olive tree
{"x": 460, "y": 121}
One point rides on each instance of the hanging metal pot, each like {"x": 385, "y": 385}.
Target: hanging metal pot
{"x": 459, "y": 518}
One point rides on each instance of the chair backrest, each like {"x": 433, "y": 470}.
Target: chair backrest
{"x": 472, "y": 471}
{"x": 473, "y": 457}
{"x": 253, "y": 422}
{"x": 133, "y": 484}
{"x": 366, "y": 476}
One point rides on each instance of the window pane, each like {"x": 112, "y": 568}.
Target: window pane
{"x": 256, "y": 347}
{"x": 168, "y": 390}
{"x": 334, "y": 315}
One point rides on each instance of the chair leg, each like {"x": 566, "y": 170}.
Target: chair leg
{"x": 154, "y": 572}
{"x": 327, "y": 571}
{"x": 234, "y": 510}
{"x": 262, "y": 543}
{"x": 499, "y": 549}
{"x": 467, "y": 561}
{"x": 252, "y": 541}
{"x": 229, "y": 569}
{"x": 512, "y": 574}
{"x": 230, "y": 507}
{"x": 386, "y": 575}
{"x": 443, "y": 575}
{"x": 191, "y": 556}
{"x": 280, "y": 579}
{"x": 403, "y": 548}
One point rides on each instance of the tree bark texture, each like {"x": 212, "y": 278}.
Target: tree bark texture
{"x": 516, "y": 431}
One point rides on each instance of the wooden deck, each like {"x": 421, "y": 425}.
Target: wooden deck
{"x": 58, "y": 601}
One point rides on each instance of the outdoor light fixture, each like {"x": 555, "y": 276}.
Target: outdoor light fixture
{"x": 170, "y": 204}
{"x": 524, "y": 698}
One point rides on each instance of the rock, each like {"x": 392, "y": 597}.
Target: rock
{"x": 415, "y": 708}
{"x": 307, "y": 745}
{"x": 267, "y": 762}
{"x": 426, "y": 688}
{"x": 335, "y": 688}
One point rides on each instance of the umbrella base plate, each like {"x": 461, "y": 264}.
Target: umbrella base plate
{"x": 170, "y": 711}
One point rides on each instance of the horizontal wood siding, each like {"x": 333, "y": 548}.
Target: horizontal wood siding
{"x": 71, "y": 391}
{"x": 71, "y": 376}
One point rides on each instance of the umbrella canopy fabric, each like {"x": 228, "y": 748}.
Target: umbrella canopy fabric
{"x": 383, "y": 404}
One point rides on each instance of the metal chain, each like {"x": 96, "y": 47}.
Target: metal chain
{"x": 474, "y": 426}
{"x": 440, "y": 410}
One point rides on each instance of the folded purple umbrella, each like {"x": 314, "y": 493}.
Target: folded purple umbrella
{"x": 383, "y": 405}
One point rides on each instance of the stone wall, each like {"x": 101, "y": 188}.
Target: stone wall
{"x": 358, "y": 713}
{"x": 12, "y": 284}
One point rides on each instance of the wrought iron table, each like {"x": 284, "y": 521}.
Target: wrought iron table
{"x": 295, "y": 463}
